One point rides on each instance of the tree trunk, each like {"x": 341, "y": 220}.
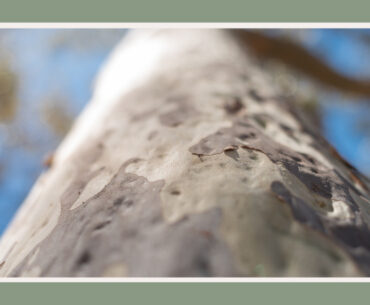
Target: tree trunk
{"x": 188, "y": 161}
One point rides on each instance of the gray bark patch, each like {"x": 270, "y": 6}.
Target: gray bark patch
{"x": 178, "y": 116}
{"x": 124, "y": 224}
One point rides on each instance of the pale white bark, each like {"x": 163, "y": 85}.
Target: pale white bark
{"x": 187, "y": 161}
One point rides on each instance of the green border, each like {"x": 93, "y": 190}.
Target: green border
{"x": 185, "y": 293}
{"x": 184, "y": 11}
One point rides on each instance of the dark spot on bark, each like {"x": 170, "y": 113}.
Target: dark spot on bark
{"x": 321, "y": 205}
{"x": 118, "y": 201}
{"x": 246, "y": 136}
{"x": 178, "y": 116}
{"x": 230, "y": 148}
{"x": 202, "y": 265}
{"x": 84, "y": 259}
{"x": 128, "y": 203}
{"x": 101, "y": 225}
{"x": 261, "y": 119}
{"x": 309, "y": 158}
{"x": 233, "y": 154}
{"x": 286, "y": 128}
{"x": 289, "y": 131}
{"x": 233, "y": 105}
{"x": 175, "y": 192}
{"x": 256, "y": 96}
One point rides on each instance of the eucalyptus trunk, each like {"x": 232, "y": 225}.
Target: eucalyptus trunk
{"x": 189, "y": 161}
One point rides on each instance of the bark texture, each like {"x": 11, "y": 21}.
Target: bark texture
{"x": 189, "y": 162}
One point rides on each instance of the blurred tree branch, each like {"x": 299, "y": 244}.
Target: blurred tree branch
{"x": 297, "y": 57}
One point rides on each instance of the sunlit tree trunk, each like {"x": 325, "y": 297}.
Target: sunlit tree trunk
{"x": 188, "y": 161}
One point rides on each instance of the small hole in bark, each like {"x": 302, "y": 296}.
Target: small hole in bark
{"x": 175, "y": 192}
{"x": 84, "y": 258}
{"x": 233, "y": 105}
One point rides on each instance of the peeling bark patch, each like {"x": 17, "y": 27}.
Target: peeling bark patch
{"x": 325, "y": 182}
{"x": 318, "y": 178}
{"x": 302, "y": 211}
{"x": 124, "y": 223}
{"x": 322, "y": 144}
{"x": 83, "y": 176}
{"x": 354, "y": 238}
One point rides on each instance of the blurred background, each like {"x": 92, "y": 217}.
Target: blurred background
{"x": 47, "y": 77}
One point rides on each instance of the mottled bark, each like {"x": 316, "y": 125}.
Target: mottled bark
{"x": 189, "y": 162}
